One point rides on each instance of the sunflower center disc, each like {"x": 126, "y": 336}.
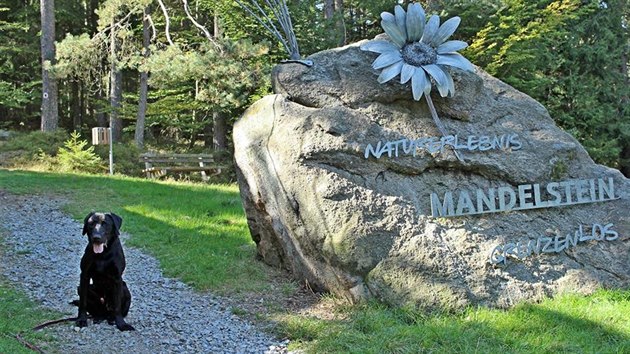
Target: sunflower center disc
{"x": 418, "y": 54}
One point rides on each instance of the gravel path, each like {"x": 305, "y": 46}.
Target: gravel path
{"x": 42, "y": 251}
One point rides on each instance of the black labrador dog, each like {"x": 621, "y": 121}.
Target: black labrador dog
{"x": 102, "y": 292}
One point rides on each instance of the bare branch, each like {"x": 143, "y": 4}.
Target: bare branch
{"x": 202, "y": 28}
{"x": 168, "y": 22}
{"x": 118, "y": 23}
{"x": 153, "y": 31}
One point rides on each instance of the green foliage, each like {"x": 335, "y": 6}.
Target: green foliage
{"x": 224, "y": 87}
{"x": 19, "y": 66}
{"x": 518, "y": 44}
{"x": 75, "y": 157}
{"x": 567, "y": 54}
{"x": 111, "y": 11}
{"x": 80, "y": 57}
{"x": 126, "y": 158}
{"x": 29, "y": 145}
{"x": 225, "y": 82}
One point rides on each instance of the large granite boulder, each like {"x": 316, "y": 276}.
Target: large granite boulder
{"x": 406, "y": 221}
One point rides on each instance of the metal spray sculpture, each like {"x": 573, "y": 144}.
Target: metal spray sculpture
{"x": 276, "y": 12}
{"x": 418, "y": 51}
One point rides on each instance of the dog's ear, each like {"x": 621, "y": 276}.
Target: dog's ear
{"x": 85, "y": 223}
{"x": 117, "y": 223}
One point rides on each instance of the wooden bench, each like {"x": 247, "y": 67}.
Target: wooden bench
{"x": 179, "y": 163}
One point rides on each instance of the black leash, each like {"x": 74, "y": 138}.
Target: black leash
{"x": 50, "y": 323}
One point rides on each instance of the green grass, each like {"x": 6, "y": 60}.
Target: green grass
{"x": 568, "y": 324}
{"x": 17, "y": 316}
{"x": 199, "y": 234}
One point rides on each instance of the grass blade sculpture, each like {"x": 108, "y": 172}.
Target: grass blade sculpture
{"x": 418, "y": 51}
{"x": 276, "y": 11}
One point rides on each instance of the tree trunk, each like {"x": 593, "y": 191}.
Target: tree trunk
{"x": 92, "y": 17}
{"x": 340, "y": 24}
{"x": 75, "y": 105}
{"x": 219, "y": 131}
{"x": 144, "y": 83}
{"x": 219, "y": 123}
{"x": 115, "y": 91}
{"x": 216, "y": 29}
{"x": 329, "y": 9}
{"x": 99, "y": 97}
{"x": 50, "y": 116}
{"x": 624, "y": 165}
{"x": 207, "y": 136}
{"x": 82, "y": 103}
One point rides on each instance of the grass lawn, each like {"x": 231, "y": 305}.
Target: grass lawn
{"x": 568, "y": 324}
{"x": 199, "y": 234}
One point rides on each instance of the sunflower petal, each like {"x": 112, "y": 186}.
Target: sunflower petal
{"x": 446, "y": 30}
{"x": 450, "y": 84}
{"x": 450, "y": 47}
{"x": 388, "y": 22}
{"x": 430, "y": 30}
{"x": 401, "y": 15}
{"x": 415, "y": 22}
{"x": 439, "y": 76}
{"x": 387, "y": 59}
{"x": 406, "y": 73}
{"x": 390, "y": 72}
{"x": 419, "y": 83}
{"x": 379, "y": 46}
{"x": 455, "y": 59}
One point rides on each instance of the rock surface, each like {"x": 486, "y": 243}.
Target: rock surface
{"x": 363, "y": 227}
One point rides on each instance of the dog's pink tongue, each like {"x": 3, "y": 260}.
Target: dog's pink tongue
{"x": 98, "y": 247}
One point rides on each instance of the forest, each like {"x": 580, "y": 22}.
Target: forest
{"x": 176, "y": 74}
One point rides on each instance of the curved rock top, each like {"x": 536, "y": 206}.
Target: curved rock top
{"x": 348, "y": 184}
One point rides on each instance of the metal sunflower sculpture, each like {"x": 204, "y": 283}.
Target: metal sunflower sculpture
{"x": 418, "y": 51}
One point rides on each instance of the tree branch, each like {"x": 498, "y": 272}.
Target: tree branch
{"x": 153, "y": 31}
{"x": 168, "y": 22}
{"x": 202, "y": 28}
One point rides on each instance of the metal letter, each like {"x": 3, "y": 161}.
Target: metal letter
{"x": 442, "y": 209}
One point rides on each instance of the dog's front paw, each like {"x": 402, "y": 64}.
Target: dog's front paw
{"x": 125, "y": 327}
{"x": 81, "y": 322}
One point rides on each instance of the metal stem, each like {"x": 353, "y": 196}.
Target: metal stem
{"x": 438, "y": 122}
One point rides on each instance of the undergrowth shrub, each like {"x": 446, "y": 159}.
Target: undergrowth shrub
{"x": 75, "y": 157}
{"x": 126, "y": 158}
{"x": 30, "y": 145}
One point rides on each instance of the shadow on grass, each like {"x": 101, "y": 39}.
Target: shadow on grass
{"x": 577, "y": 327}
